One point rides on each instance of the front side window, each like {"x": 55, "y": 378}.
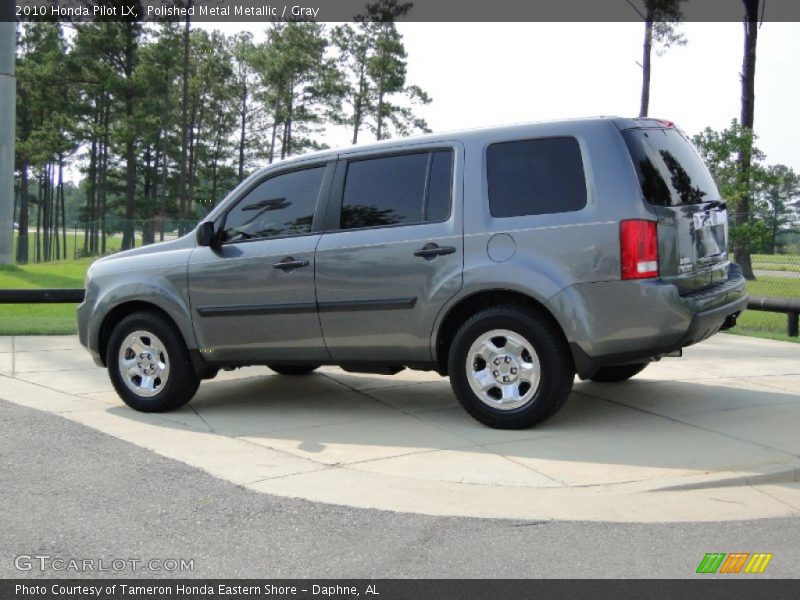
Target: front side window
{"x": 398, "y": 190}
{"x": 280, "y": 206}
{"x": 535, "y": 177}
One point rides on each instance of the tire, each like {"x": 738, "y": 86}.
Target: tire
{"x": 294, "y": 370}
{"x": 534, "y": 340}
{"x": 172, "y": 380}
{"x": 619, "y": 373}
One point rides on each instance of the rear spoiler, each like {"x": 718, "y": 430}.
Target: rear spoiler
{"x": 645, "y": 123}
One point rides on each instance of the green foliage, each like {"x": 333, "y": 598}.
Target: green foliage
{"x": 373, "y": 59}
{"x": 108, "y": 99}
{"x": 665, "y": 16}
{"x": 763, "y": 199}
{"x": 778, "y": 199}
{"x": 721, "y": 151}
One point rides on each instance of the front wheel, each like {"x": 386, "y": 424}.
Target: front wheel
{"x": 149, "y": 364}
{"x": 619, "y": 373}
{"x": 510, "y": 368}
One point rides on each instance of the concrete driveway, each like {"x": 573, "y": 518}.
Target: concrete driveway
{"x": 709, "y": 437}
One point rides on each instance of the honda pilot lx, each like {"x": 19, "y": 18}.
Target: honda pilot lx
{"x": 510, "y": 259}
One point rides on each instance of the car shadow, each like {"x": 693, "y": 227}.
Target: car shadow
{"x": 607, "y": 433}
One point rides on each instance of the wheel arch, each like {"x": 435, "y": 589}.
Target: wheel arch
{"x": 465, "y": 307}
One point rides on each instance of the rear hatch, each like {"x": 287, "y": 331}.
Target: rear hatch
{"x": 692, "y": 219}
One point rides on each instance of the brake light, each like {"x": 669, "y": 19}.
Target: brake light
{"x": 660, "y": 122}
{"x": 638, "y": 244}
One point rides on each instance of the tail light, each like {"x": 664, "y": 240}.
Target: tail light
{"x": 638, "y": 243}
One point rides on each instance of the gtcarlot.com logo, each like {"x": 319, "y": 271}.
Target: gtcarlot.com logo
{"x": 735, "y": 562}
{"x": 45, "y": 562}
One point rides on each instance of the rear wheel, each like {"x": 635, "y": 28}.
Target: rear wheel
{"x": 510, "y": 368}
{"x": 619, "y": 373}
{"x": 149, "y": 364}
{"x": 294, "y": 370}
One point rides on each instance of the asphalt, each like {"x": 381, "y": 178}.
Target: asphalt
{"x": 69, "y": 491}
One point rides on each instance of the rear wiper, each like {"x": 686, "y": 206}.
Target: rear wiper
{"x": 716, "y": 204}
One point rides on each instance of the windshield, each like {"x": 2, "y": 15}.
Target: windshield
{"x": 670, "y": 171}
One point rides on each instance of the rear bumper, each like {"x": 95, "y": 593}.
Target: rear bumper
{"x": 637, "y": 321}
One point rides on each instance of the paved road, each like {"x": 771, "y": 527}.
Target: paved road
{"x": 72, "y": 492}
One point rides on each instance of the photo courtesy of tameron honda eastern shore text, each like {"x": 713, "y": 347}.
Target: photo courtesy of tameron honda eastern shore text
{"x": 510, "y": 259}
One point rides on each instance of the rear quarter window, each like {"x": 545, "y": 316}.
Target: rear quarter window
{"x": 535, "y": 177}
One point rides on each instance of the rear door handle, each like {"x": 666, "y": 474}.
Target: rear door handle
{"x": 430, "y": 251}
{"x": 288, "y": 264}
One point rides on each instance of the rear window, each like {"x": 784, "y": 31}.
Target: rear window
{"x": 670, "y": 171}
{"x": 535, "y": 177}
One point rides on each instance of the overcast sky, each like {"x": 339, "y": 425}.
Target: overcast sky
{"x": 481, "y": 74}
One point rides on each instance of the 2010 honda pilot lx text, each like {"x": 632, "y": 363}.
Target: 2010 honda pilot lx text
{"x": 509, "y": 258}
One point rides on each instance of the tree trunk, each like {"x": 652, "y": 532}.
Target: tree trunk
{"x": 379, "y": 118}
{"x": 91, "y": 188}
{"x": 46, "y": 212}
{"x": 90, "y": 237}
{"x": 196, "y": 123}
{"x": 161, "y": 201}
{"x": 56, "y": 254}
{"x": 63, "y": 203}
{"x": 128, "y": 240}
{"x": 243, "y": 131}
{"x": 162, "y": 156}
{"x": 182, "y": 178}
{"x": 60, "y": 213}
{"x": 358, "y": 105}
{"x": 274, "y": 139}
{"x": 104, "y": 180}
{"x": 742, "y": 248}
{"x": 774, "y": 231}
{"x": 286, "y": 151}
{"x": 644, "y": 107}
{"x": 22, "y": 237}
{"x": 147, "y": 230}
{"x": 37, "y": 252}
{"x": 41, "y": 221}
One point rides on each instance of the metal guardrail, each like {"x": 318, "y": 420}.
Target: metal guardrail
{"x": 790, "y": 306}
{"x": 42, "y": 296}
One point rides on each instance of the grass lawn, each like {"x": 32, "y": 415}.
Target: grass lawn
{"x": 22, "y": 319}
{"x": 25, "y": 319}
{"x": 776, "y": 262}
{"x": 766, "y": 324}
{"x": 74, "y": 241}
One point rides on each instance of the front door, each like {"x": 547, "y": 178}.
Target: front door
{"x": 392, "y": 257}
{"x": 252, "y": 295}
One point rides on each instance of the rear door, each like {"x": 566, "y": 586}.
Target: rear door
{"x": 692, "y": 220}
{"x": 392, "y": 254}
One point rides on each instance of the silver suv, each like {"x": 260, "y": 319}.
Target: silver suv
{"x": 509, "y": 258}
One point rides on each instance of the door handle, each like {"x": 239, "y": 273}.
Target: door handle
{"x": 430, "y": 251}
{"x": 288, "y": 264}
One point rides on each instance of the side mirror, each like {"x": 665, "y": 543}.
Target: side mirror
{"x": 206, "y": 236}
